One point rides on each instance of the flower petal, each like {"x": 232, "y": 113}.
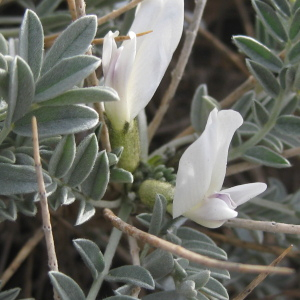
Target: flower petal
{"x": 212, "y": 213}
{"x": 242, "y": 193}
{"x": 228, "y": 121}
{"x": 154, "y": 50}
{"x": 195, "y": 169}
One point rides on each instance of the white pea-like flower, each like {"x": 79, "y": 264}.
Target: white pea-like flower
{"x": 136, "y": 68}
{"x": 202, "y": 167}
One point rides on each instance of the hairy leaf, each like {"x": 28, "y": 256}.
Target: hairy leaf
{"x": 75, "y": 40}
{"x": 289, "y": 125}
{"x": 54, "y": 120}
{"x": 21, "y": 90}
{"x": 66, "y": 287}
{"x": 11, "y": 294}
{"x": 132, "y": 274}
{"x": 17, "y": 179}
{"x": 265, "y": 156}
{"x": 32, "y": 42}
{"x": 91, "y": 255}
{"x": 64, "y": 75}
{"x": 86, "y": 211}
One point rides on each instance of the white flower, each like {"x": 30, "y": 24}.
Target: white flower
{"x": 201, "y": 173}
{"x": 136, "y": 68}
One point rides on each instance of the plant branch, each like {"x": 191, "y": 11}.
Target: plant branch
{"x": 182, "y": 252}
{"x": 72, "y": 9}
{"x": 110, "y": 250}
{"x": 21, "y": 256}
{"x": 92, "y": 80}
{"x": 264, "y": 226}
{"x": 116, "y": 13}
{"x": 261, "y": 277}
{"x": 191, "y": 34}
{"x": 52, "y": 259}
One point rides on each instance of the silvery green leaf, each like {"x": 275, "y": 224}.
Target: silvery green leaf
{"x": 264, "y": 77}
{"x": 293, "y": 54}
{"x": 244, "y": 103}
{"x": 201, "y": 278}
{"x": 45, "y": 7}
{"x": 63, "y": 157}
{"x": 214, "y": 272}
{"x": 270, "y": 19}
{"x": 64, "y": 75}
{"x": 289, "y": 125}
{"x": 84, "y": 95}
{"x": 187, "y": 289}
{"x": 24, "y": 159}
{"x": 66, "y": 287}
{"x": 158, "y": 214}
{"x": 8, "y": 211}
{"x": 91, "y": 255}
{"x": 31, "y": 42}
{"x": 169, "y": 295}
{"x": 291, "y": 106}
{"x": 27, "y": 207}
{"x": 21, "y": 90}
{"x": 112, "y": 159}
{"x": 3, "y": 45}
{"x": 159, "y": 263}
{"x": 121, "y": 297}
{"x": 11, "y": 294}
{"x": 190, "y": 234}
{"x": 283, "y": 6}
{"x": 75, "y": 40}
{"x": 258, "y": 52}
{"x": 205, "y": 249}
{"x": 55, "y": 120}
{"x": 273, "y": 142}
{"x": 215, "y": 289}
{"x": 248, "y": 129}
{"x": 179, "y": 270}
{"x": 201, "y": 296}
{"x": 56, "y": 21}
{"x": 55, "y": 200}
{"x": 288, "y": 140}
{"x": 136, "y": 275}
{"x": 261, "y": 115}
{"x": 120, "y": 175}
{"x": 84, "y": 161}
{"x": 19, "y": 179}
{"x": 295, "y": 26}
{"x": 145, "y": 219}
{"x": 7, "y": 156}
{"x": 202, "y": 105}
{"x": 266, "y": 157}
{"x": 96, "y": 183}
{"x": 86, "y": 211}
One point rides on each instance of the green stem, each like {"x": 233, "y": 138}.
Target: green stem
{"x": 4, "y": 133}
{"x": 110, "y": 250}
{"x": 240, "y": 150}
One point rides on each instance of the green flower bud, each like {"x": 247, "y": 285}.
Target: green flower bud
{"x": 129, "y": 138}
{"x": 149, "y": 188}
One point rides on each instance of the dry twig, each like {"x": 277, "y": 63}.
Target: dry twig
{"x": 92, "y": 80}
{"x": 261, "y": 277}
{"x": 264, "y": 226}
{"x": 182, "y": 252}
{"x": 21, "y": 256}
{"x": 72, "y": 9}
{"x": 52, "y": 259}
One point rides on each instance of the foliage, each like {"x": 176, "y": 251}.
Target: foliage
{"x": 78, "y": 170}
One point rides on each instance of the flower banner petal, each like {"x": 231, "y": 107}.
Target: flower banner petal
{"x": 154, "y": 50}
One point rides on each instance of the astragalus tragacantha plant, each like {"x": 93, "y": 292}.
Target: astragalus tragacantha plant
{"x": 76, "y": 80}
